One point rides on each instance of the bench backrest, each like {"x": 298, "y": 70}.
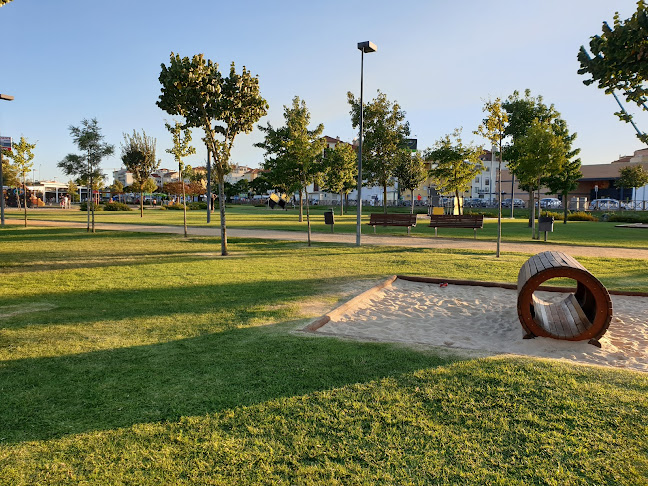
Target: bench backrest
{"x": 463, "y": 219}
{"x": 403, "y": 219}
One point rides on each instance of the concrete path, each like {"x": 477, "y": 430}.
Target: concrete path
{"x": 367, "y": 239}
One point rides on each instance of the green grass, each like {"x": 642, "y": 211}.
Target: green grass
{"x": 131, "y": 358}
{"x": 586, "y": 233}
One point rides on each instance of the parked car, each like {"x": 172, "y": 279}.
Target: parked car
{"x": 517, "y": 203}
{"x": 605, "y": 205}
{"x": 550, "y": 203}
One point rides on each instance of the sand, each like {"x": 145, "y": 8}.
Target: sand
{"x": 485, "y": 319}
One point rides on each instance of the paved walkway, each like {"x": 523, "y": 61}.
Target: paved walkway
{"x": 367, "y": 239}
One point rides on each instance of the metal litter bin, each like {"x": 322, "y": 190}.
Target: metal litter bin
{"x": 329, "y": 218}
{"x": 546, "y": 223}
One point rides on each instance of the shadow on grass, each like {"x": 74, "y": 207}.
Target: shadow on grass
{"x": 45, "y": 398}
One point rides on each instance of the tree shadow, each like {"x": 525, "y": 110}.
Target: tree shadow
{"x": 46, "y": 398}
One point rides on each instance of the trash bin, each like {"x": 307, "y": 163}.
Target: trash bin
{"x": 329, "y": 218}
{"x": 545, "y": 223}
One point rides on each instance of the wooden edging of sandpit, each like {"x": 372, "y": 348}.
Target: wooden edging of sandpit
{"x": 503, "y": 285}
{"x": 349, "y": 305}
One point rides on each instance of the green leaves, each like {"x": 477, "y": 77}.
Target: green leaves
{"x": 22, "y": 155}
{"x": 618, "y": 59}
{"x": 89, "y": 140}
{"x": 385, "y": 130}
{"x": 138, "y": 156}
{"x": 633, "y": 176}
{"x": 453, "y": 164}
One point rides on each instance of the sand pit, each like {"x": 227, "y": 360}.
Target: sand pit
{"x": 483, "y": 319}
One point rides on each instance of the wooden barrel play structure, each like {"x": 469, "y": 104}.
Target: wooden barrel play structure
{"x": 585, "y": 313}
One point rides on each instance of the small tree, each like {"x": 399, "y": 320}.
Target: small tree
{"x": 633, "y": 176}
{"x": 454, "y": 165}
{"x": 340, "y": 166}
{"x": 411, "y": 172}
{"x": 493, "y": 129}
{"x": 73, "y": 191}
{"x": 22, "y": 155}
{"x": 89, "y": 140}
{"x": 385, "y": 130}
{"x": 117, "y": 188}
{"x": 296, "y": 149}
{"x": 564, "y": 182}
{"x": 223, "y": 107}
{"x": 181, "y": 149}
{"x": 542, "y": 153}
{"x": 138, "y": 156}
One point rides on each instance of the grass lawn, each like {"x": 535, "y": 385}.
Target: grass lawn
{"x": 131, "y": 358}
{"x": 513, "y": 230}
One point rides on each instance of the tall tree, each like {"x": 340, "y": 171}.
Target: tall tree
{"x": 22, "y": 155}
{"x": 117, "y": 188}
{"x": 453, "y": 164}
{"x": 295, "y": 148}
{"x": 618, "y": 61}
{"x": 632, "y": 176}
{"x": 340, "y": 170}
{"x": 181, "y": 149}
{"x": 411, "y": 171}
{"x": 542, "y": 153}
{"x": 89, "y": 140}
{"x": 138, "y": 156}
{"x": 223, "y": 107}
{"x": 385, "y": 130}
{"x": 493, "y": 129}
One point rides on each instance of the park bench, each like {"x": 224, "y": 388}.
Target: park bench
{"x": 393, "y": 219}
{"x": 456, "y": 221}
{"x": 585, "y": 313}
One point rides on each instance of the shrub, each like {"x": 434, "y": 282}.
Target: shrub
{"x": 628, "y": 218}
{"x": 175, "y": 207}
{"x": 556, "y": 216}
{"x": 581, "y": 216}
{"x": 117, "y": 206}
{"x": 197, "y": 205}
{"x": 84, "y": 207}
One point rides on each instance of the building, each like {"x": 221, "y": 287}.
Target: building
{"x": 124, "y": 176}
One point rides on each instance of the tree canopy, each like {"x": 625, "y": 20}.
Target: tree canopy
{"x": 89, "y": 140}
{"x": 385, "y": 130}
{"x": 632, "y": 176}
{"x": 223, "y": 107}
{"x": 453, "y": 164}
{"x": 138, "y": 156}
{"x": 411, "y": 171}
{"x": 340, "y": 166}
{"x": 293, "y": 152}
{"x": 618, "y": 60}
{"x": 22, "y": 155}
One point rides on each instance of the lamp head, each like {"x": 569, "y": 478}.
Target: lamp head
{"x": 367, "y": 46}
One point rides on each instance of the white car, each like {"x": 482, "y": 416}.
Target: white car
{"x": 605, "y": 205}
{"x": 550, "y": 203}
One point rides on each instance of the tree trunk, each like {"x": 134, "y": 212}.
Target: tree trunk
{"x": 565, "y": 194}
{"x": 209, "y": 190}
{"x": 184, "y": 207}
{"x": 499, "y": 205}
{"x": 141, "y": 204}
{"x": 301, "y": 206}
{"x": 341, "y": 203}
{"x": 412, "y": 208}
{"x": 308, "y": 217}
{"x": 458, "y": 202}
{"x": 385, "y": 197}
{"x": 539, "y": 212}
{"x": 532, "y": 202}
{"x": 92, "y": 198}
{"x": 221, "y": 205}
{"x": 25, "y": 188}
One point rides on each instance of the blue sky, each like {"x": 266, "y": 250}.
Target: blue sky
{"x": 70, "y": 59}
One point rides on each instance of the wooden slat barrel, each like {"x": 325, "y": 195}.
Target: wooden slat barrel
{"x": 585, "y": 314}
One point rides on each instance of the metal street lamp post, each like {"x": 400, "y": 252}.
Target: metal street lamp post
{"x": 2, "y": 199}
{"x": 367, "y": 47}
